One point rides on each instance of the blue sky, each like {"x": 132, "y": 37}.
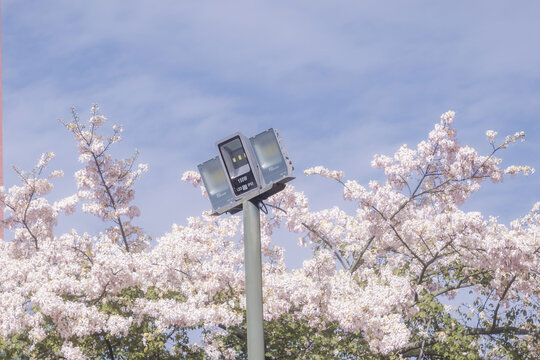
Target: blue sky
{"x": 342, "y": 80}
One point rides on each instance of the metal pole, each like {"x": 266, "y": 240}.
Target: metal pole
{"x": 1, "y": 146}
{"x": 253, "y": 269}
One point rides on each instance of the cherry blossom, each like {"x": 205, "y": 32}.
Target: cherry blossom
{"x": 388, "y": 273}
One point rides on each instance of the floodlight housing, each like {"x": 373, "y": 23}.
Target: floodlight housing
{"x": 245, "y": 169}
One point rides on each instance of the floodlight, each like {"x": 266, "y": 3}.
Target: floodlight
{"x": 240, "y": 165}
{"x": 272, "y": 157}
{"x": 216, "y": 184}
{"x": 246, "y": 169}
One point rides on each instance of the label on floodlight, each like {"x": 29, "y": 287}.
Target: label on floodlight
{"x": 244, "y": 183}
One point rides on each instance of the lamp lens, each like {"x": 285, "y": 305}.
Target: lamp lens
{"x": 268, "y": 152}
{"x": 214, "y": 177}
{"x": 267, "y": 149}
{"x": 235, "y": 158}
{"x": 216, "y": 183}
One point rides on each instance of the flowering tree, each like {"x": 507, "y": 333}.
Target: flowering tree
{"x": 408, "y": 275}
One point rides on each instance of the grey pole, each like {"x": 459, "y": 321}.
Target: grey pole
{"x": 253, "y": 269}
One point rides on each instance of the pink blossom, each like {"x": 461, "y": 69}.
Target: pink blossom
{"x": 407, "y": 242}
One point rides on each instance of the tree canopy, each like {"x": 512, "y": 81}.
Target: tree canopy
{"x": 408, "y": 274}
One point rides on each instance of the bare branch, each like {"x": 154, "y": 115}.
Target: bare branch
{"x": 494, "y": 322}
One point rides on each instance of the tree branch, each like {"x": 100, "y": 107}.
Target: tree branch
{"x": 109, "y": 347}
{"x": 494, "y": 322}
{"x": 360, "y": 260}
{"x": 111, "y": 198}
{"x": 327, "y": 243}
{"x": 502, "y": 330}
